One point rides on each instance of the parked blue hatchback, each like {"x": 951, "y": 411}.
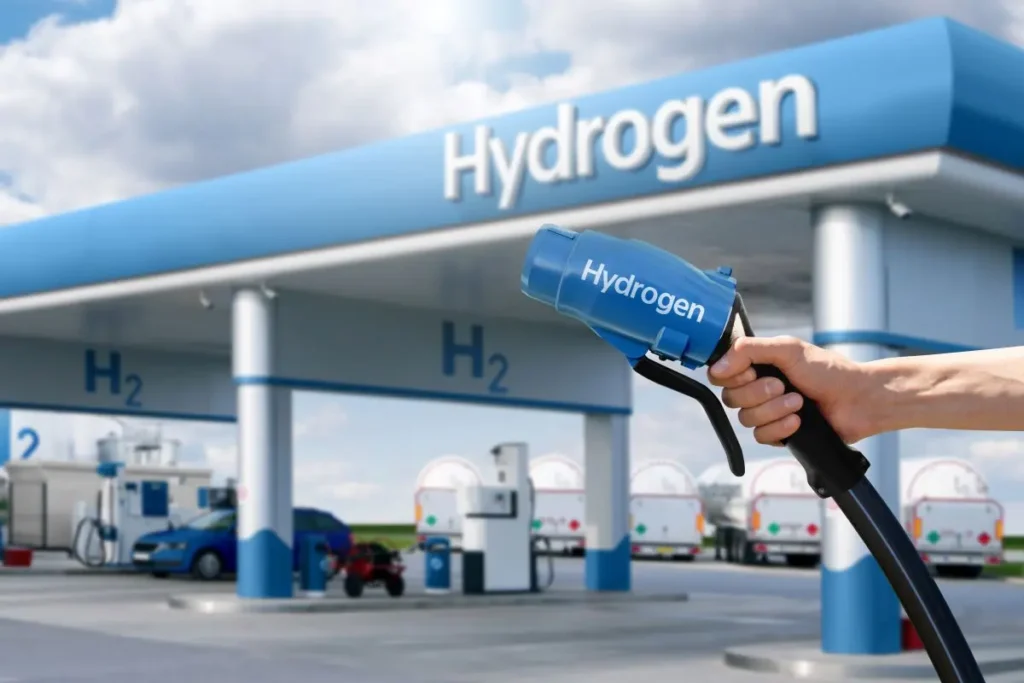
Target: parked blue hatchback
{"x": 207, "y": 546}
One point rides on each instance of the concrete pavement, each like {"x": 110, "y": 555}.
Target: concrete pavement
{"x": 77, "y": 629}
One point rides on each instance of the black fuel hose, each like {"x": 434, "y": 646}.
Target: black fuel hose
{"x": 917, "y": 591}
{"x": 835, "y": 469}
{"x": 81, "y": 552}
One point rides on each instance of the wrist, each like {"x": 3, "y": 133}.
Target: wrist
{"x": 893, "y": 394}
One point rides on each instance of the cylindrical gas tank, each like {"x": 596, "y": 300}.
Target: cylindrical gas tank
{"x": 940, "y": 478}
{"x": 727, "y": 498}
{"x": 556, "y": 473}
{"x": 448, "y": 472}
{"x": 662, "y": 477}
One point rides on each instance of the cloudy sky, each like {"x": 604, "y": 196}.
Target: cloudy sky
{"x": 102, "y": 100}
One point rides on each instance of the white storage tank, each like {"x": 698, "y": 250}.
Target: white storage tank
{"x": 947, "y": 510}
{"x": 727, "y": 497}
{"x": 558, "y": 511}
{"x": 952, "y": 478}
{"x": 436, "y": 495}
{"x": 770, "y": 510}
{"x": 666, "y": 513}
{"x": 662, "y": 477}
{"x": 556, "y": 473}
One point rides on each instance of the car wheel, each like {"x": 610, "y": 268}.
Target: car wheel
{"x": 353, "y": 586}
{"x": 395, "y": 585}
{"x": 207, "y": 566}
{"x": 160, "y": 575}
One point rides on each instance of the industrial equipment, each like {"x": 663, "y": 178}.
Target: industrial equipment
{"x": 127, "y": 510}
{"x": 498, "y": 549}
{"x": 44, "y": 496}
{"x": 947, "y": 510}
{"x": 666, "y": 514}
{"x": 770, "y": 510}
{"x": 559, "y": 502}
{"x": 657, "y": 309}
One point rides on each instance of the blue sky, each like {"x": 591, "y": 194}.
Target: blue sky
{"x": 165, "y": 92}
{"x": 17, "y": 17}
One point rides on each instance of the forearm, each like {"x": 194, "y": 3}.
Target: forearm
{"x": 977, "y": 390}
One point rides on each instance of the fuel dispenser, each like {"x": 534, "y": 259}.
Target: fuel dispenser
{"x": 126, "y": 510}
{"x": 498, "y": 550}
{"x": 654, "y": 307}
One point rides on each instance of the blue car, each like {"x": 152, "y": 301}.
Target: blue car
{"x": 207, "y": 546}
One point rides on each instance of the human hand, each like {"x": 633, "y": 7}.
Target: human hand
{"x": 838, "y": 385}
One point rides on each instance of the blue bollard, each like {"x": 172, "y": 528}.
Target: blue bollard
{"x": 438, "y": 576}
{"x": 313, "y": 567}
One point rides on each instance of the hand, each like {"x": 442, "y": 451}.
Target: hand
{"x": 838, "y": 385}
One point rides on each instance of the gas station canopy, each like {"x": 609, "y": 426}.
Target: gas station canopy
{"x": 721, "y": 166}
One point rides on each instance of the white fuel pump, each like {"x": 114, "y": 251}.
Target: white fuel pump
{"x": 126, "y": 510}
{"x": 498, "y": 550}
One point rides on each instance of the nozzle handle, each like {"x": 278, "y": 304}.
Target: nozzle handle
{"x": 832, "y": 467}
{"x": 680, "y": 383}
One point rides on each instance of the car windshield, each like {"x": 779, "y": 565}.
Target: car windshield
{"x": 215, "y": 520}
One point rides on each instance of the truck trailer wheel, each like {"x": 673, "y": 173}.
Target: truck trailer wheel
{"x": 741, "y": 548}
{"x": 803, "y": 561}
{"x": 957, "y": 571}
{"x": 727, "y": 544}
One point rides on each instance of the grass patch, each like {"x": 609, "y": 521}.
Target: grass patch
{"x": 1006, "y": 570}
{"x": 394, "y": 536}
{"x": 1013, "y": 542}
{"x": 384, "y": 529}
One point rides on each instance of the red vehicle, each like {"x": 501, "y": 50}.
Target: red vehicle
{"x": 374, "y": 565}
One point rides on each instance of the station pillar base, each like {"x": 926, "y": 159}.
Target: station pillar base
{"x": 805, "y": 660}
{"x": 608, "y": 558}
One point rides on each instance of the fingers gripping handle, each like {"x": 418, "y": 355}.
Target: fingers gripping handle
{"x": 832, "y": 467}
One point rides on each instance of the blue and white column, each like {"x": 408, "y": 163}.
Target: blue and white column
{"x": 860, "y": 613}
{"x": 264, "y": 451}
{"x": 606, "y": 483}
{"x": 6, "y": 437}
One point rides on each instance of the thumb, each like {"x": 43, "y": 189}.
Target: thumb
{"x": 782, "y": 352}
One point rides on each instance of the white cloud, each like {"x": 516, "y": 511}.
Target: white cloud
{"x": 170, "y": 91}
{"x": 329, "y": 483}
{"x": 324, "y": 421}
{"x": 223, "y": 460}
{"x": 998, "y": 450}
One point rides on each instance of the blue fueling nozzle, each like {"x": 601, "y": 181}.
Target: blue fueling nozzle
{"x": 641, "y": 299}
{"x": 636, "y": 296}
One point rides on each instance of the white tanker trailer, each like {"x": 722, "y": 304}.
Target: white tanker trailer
{"x": 666, "y": 514}
{"x": 558, "y": 502}
{"x": 436, "y": 497}
{"x": 770, "y": 510}
{"x": 948, "y": 513}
